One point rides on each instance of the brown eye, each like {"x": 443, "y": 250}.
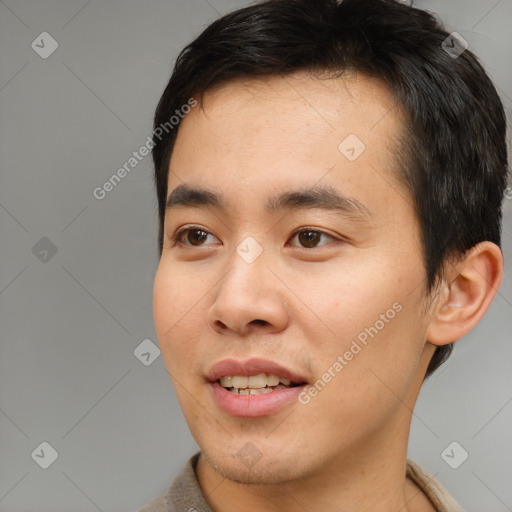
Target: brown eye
{"x": 309, "y": 238}
{"x": 192, "y": 237}
{"x": 196, "y": 236}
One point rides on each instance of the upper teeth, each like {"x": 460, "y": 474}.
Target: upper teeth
{"x": 253, "y": 382}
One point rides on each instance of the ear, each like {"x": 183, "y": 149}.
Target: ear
{"x": 468, "y": 288}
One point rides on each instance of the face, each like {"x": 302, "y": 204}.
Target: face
{"x": 291, "y": 250}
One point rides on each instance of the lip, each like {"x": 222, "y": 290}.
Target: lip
{"x": 252, "y": 406}
{"x": 250, "y": 367}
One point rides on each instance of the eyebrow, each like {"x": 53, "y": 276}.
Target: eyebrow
{"x": 323, "y": 197}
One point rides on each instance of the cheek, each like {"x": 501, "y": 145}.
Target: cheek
{"x": 375, "y": 318}
{"x": 349, "y": 296}
{"x": 176, "y": 296}
{"x": 176, "y": 306}
{"x": 164, "y": 298}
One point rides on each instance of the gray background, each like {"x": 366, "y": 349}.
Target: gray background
{"x": 70, "y": 324}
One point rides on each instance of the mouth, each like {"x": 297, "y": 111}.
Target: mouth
{"x": 256, "y": 384}
{"x": 255, "y": 387}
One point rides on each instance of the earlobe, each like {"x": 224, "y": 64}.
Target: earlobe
{"x": 467, "y": 292}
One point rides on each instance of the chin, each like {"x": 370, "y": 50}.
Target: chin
{"x": 252, "y": 468}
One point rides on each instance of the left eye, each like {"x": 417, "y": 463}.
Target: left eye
{"x": 309, "y": 238}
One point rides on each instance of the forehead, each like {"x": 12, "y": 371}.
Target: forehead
{"x": 293, "y": 130}
{"x": 353, "y": 99}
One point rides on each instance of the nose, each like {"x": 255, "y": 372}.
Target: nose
{"x": 248, "y": 300}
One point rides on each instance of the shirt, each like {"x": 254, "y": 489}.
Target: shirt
{"x": 185, "y": 495}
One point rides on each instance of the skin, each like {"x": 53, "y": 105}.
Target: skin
{"x": 302, "y": 306}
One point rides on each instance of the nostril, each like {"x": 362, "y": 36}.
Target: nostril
{"x": 220, "y": 325}
{"x": 259, "y": 322}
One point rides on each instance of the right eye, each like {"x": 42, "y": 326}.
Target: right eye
{"x": 191, "y": 236}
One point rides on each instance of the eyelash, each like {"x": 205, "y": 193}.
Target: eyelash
{"x": 176, "y": 238}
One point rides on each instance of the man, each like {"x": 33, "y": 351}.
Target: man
{"x": 329, "y": 179}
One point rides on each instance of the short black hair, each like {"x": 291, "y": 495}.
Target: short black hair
{"x": 453, "y": 155}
